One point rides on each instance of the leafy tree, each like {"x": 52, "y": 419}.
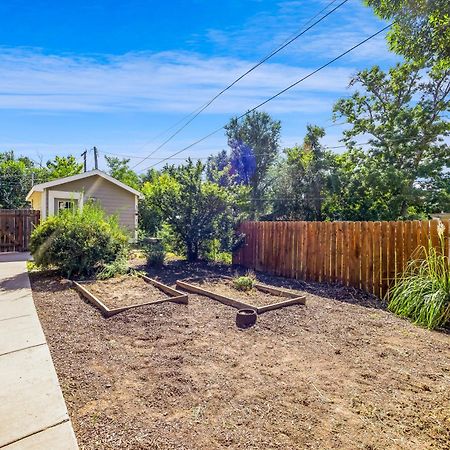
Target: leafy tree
{"x": 421, "y": 29}
{"x": 16, "y": 178}
{"x": 196, "y": 210}
{"x": 402, "y": 113}
{"x": 217, "y": 165}
{"x": 302, "y": 180}
{"x": 119, "y": 169}
{"x": 63, "y": 166}
{"x": 254, "y": 142}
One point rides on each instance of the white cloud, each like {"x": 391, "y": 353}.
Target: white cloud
{"x": 156, "y": 82}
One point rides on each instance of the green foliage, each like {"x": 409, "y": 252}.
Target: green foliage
{"x": 119, "y": 169}
{"x": 262, "y": 134}
{"x": 117, "y": 267}
{"x": 421, "y": 29}
{"x": 78, "y": 242}
{"x": 63, "y": 166}
{"x": 403, "y": 113}
{"x": 154, "y": 252}
{"x": 244, "y": 283}
{"x": 16, "y": 179}
{"x": 196, "y": 210}
{"x": 422, "y": 293}
{"x": 301, "y": 180}
{"x": 213, "y": 252}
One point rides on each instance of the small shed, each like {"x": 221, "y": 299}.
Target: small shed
{"x": 112, "y": 195}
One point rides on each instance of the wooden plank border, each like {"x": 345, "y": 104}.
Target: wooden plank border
{"x": 295, "y": 299}
{"x": 175, "y": 297}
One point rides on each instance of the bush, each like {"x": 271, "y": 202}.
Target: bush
{"x": 119, "y": 266}
{"x": 244, "y": 283}
{"x": 78, "y": 242}
{"x": 422, "y": 293}
{"x": 155, "y": 253}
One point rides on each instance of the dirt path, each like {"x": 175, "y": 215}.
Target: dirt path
{"x": 329, "y": 375}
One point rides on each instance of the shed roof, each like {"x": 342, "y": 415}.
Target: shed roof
{"x": 41, "y": 186}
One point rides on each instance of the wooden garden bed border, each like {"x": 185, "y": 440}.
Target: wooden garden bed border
{"x": 176, "y": 297}
{"x": 294, "y": 298}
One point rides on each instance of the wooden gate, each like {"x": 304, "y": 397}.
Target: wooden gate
{"x": 16, "y": 226}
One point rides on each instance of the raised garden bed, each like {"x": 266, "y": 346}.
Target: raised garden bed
{"x": 129, "y": 291}
{"x": 261, "y": 298}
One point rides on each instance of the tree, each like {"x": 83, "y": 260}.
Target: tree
{"x": 216, "y": 165}
{"x": 302, "y": 179}
{"x": 119, "y": 169}
{"x": 16, "y": 178}
{"x": 421, "y": 30}
{"x": 195, "y": 209}
{"x": 254, "y": 142}
{"x": 402, "y": 113}
{"x": 63, "y": 166}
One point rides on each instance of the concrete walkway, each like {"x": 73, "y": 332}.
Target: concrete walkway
{"x": 33, "y": 414}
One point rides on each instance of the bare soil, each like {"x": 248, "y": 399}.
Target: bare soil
{"x": 338, "y": 373}
{"x": 225, "y": 287}
{"x": 124, "y": 290}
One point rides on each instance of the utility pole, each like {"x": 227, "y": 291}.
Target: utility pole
{"x": 95, "y": 158}
{"x": 84, "y": 155}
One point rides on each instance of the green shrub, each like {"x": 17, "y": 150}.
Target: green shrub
{"x": 212, "y": 252}
{"x": 155, "y": 253}
{"x": 244, "y": 283}
{"x": 422, "y": 293}
{"x": 117, "y": 267}
{"x": 78, "y": 242}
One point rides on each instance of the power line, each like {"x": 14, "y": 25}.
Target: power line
{"x": 276, "y": 95}
{"x": 197, "y": 112}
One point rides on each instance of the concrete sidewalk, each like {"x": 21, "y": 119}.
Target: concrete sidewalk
{"x": 33, "y": 414}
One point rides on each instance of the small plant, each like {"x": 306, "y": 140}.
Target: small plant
{"x": 244, "y": 283}
{"x": 155, "y": 253}
{"x": 118, "y": 267}
{"x": 423, "y": 291}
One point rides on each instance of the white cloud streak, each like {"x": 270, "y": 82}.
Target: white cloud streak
{"x": 155, "y": 82}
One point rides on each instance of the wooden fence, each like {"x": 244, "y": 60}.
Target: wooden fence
{"x": 366, "y": 255}
{"x": 16, "y": 226}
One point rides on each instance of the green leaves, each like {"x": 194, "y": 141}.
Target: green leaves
{"x": 196, "y": 210}
{"x": 422, "y": 293}
{"x": 402, "y": 113}
{"x": 63, "y": 166}
{"x": 118, "y": 169}
{"x": 421, "y": 32}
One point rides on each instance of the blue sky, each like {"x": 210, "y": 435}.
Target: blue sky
{"x": 116, "y": 74}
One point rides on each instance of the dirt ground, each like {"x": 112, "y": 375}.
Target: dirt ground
{"x": 225, "y": 287}
{"x": 338, "y": 373}
{"x": 125, "y": 290}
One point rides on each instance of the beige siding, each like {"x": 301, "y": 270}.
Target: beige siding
{"x": 35, "y": 200}
{"x": 112, "y": 198}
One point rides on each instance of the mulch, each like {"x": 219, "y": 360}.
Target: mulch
{"x": 338, "y": 373}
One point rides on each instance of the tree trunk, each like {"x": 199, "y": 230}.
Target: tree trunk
{"x": 192, "y": 252}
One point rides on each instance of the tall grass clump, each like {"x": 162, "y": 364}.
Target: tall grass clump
{"x": 422, "y": 293}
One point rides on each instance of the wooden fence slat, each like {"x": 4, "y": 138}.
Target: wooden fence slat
{"x": 16, "y": 226}
{"x": 376, "y": 249}
{"x": 366, "y": 255}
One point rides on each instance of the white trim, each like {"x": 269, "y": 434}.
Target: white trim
{"x": 52, "y": 195}
{"x": 136, "y": 218}
{"x": 42, "y": 186}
